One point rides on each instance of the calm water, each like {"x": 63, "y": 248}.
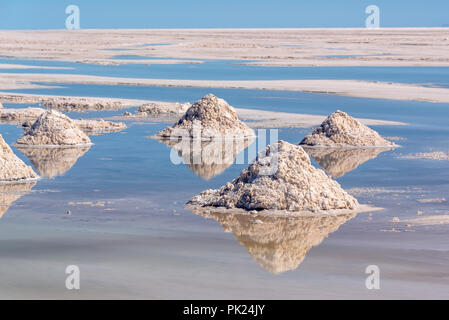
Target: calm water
{"x": 232, "y": 70}
{"x": 132, "y": 237}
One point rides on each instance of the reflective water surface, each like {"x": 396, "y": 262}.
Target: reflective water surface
{"x": 132, "y": 237}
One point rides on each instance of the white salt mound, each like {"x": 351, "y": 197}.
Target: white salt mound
{"x": 98, "y": 125}
{"x": 17, "y": 116}
{"x": 341, "y": 130}
{"x": 160, "y": 108}
{"x": 53, "y": 128}
{"x": 80, "y": 104}
{"x": 11, "y": 167}
{"x": 281, "y": 178}
{"x": 88, "y": 126}
{"x": 208, "y": 118}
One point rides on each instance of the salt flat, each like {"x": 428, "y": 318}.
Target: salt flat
{"x": 22, "y": 66}
{"x": 398, "y": 47}
{"x": 256, "y": 118}
{"x": 276, "y": 47}
{"x": 353, "y": 88}
{"x": 117, "y": 210}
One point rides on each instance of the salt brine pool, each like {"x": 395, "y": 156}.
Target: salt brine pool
{"x": 132, "y": 237}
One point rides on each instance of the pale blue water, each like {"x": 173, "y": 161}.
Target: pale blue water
{"x": 232, "y": 70}
{"x": 150, "y": 246}
{"x": 284, "y": 101}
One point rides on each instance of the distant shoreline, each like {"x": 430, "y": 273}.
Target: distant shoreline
{"x": 275, "y": 47}
{"x": 256, "y": 118}
{"x": 351, "y": 88}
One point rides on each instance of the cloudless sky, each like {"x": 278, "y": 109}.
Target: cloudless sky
{"x": 47, "y": 14}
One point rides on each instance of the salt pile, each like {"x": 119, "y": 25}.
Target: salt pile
{"x": 79, "y": 104}
{"x": 89, "y": 126}
{"x": 95, "y": 126}
{"x": 54, "y": 129}
{"x": 18, "y": 116}
{"x": 341, "y": 130}
{"x": 208, "y": 118}
{"x": 11, "y": 167}
{"x": 278, "y": 244}
{"x": 281, "y": 178}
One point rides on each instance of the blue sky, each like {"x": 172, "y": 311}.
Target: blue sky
{"x": 46, "y": 14}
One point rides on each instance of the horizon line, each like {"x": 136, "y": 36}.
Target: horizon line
{"x": 229, "y": 28}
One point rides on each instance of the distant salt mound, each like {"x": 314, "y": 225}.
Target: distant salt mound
{"x": 95, "y": 126}
{"x": 341, "y": 130}
{"x": 162, "y": 108}
{"x": 72, "y": 104}
{"x": 20, "y": 115}
{"x": 281, "y": 178}
{"x": 208, "y": 118}
{"x": 88, "y": 126}
{"x": 1, "y": 105}
{"x": 11, "y": 167}
{"x": 54, "y": 129}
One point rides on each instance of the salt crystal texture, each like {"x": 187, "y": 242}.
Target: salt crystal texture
{"x": 281, "y": 178}
{"x": 208, "y": 118}
{"x": 341, "y": 130}
{"x": 53, "y": 128}
{"x": 11, "y": 167}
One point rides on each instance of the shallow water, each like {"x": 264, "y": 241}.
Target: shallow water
{"x": 132, "y": 237}
{"x": 234, "y": 70}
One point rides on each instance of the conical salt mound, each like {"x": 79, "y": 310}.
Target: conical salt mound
{"x": 281, "y": 178}
{"x": 53, "y": 128}
{"x": 209, "y": 118}
{"x": 11, "y": 167}
{"x": 341, "y": 130}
